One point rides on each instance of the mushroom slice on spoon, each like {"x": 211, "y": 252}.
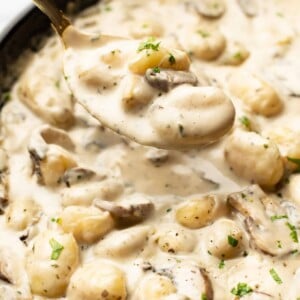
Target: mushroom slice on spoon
{"x": 97, "y": 68}
{"x": 266, "y": 220}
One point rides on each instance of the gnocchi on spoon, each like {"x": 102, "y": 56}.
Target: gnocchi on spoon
{"x": 144, "y": 90}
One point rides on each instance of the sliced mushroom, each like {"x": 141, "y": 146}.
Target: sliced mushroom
{"x": 3, "y": 204}
{"x": 266, "y": 220}
{"x": 165, "y": 80}
{"x": 129, "y": 211}
{"x": 157, "y": 156}
{"x": 188, "y": 279}
{"x": 211, "y": 8}
{"x": 45, "y": 136}
{"x": 249, "y": 7}
{"x": 75, "y": 175}
{"x": 3, "y": 161}
{"x": 49, "y": 152}
{"x": 4, "y": 275}
{"x": 191, "y": 281}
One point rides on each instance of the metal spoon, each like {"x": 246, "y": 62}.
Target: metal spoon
{"x": 99, "y": 88}
{"x": 57, "y": 17}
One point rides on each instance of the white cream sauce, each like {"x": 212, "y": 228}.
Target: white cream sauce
{"x": 184, "y": 223}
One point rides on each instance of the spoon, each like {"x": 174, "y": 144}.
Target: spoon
{"x": 132, "y": 87}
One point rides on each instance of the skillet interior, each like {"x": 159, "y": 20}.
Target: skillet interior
{"x": 26, "y": 32}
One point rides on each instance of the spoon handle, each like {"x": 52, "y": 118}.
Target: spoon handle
{"x": 57, "y": 17}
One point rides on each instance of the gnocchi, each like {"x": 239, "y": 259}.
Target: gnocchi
{"x": 108, "y": 282}
{"x": 197, "y": 213}
{"x": 156, "y": 287}
{"x": 258, "y": 95}
{"x": 254, "y": 158}
{"x": 162, "y": 57}
{"x": 204, "y": 43}
{"x": 21, "y": 213}
{"x": 175, "y": 240}
{"x": 84, "y": 195}
{"x": 225, "y": 239}
{"x": 51, "y": 261}
{"x": 47, "y": 94}
{"x": 288, "y": 143}
{"x": 87, "y": 224}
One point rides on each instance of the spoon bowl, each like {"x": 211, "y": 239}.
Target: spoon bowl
{"x": 134, "y": 88}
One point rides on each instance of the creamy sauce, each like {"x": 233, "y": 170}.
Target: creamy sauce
{"x": 142, "y": 90}
{"x": 89, "y": 214}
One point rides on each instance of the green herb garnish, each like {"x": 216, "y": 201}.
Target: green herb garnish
{"x": 278, "y": 217}
{"x": 107, "y": 8}
{"x": 242, "y": 289}
{"x": 222, "y": 264}
{"x": 57, "y": 248}
{"x": 6, "y": 97}
{"x": 203, "y": 297}
{"x": 172, "y": 59}
{"x": 295, "y": 161}
{"x": 203, "y": 33}
{"x": 293, "y": 234}
{"x": 245, "y": 121}
{"x": 232, "y": 241}
{"x": 56, "y": 220}
{"x": 238, "y": 55}
{"x": 156, "y": 70}
{"x": 149, "y": 45}
{"x": 275, "y": 276}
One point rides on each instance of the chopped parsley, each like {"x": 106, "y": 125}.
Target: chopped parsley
{"x": 203, "y": 33}
{"x": 295, "y": 161}
{"x": 172, "y": 59}
{"x": 278, "y": 217}
{"x": 107, "y": 8}
{"x": 279, "y": 245}
{"x": 57, "y": 248}
{"x": 57, "y": 84}
{"x": 245, "y": 121}
{"x": 168, "y": 210}
{"x": 203, "y": 297}
{"x": 56, "y": 220}
{"x": 232, "y": 241}
{"x": 279, "y": 14}
{"x": 222, "y": 264}
{"x": 5, "y": 97}
{"x": 275, "y": 276}
{"x": 238, "y": 55}
{"x": 156, "y": 70}
{"x": 293, "y": 234}
{"x": 241, "y": 289}
{"x": 150, "y": 44}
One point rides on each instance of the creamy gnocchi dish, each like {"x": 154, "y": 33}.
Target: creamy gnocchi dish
{"x": 88, "y": 214}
